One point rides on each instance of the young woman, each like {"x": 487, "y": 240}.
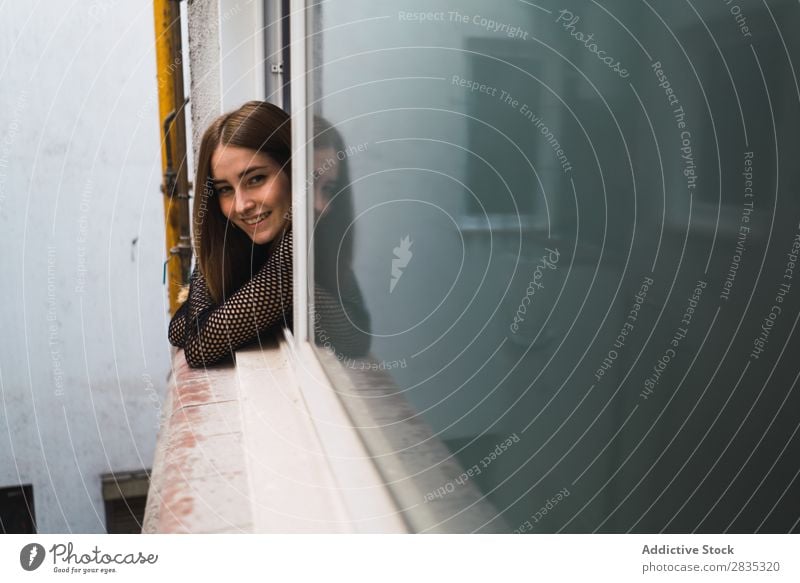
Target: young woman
{"x": 241, "y": 285}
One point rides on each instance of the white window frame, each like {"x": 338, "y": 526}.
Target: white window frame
{"x": 301, "y": 114}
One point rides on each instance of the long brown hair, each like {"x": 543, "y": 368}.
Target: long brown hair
{"x": 225, "y": 255}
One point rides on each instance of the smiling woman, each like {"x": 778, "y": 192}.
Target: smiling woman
{"x": 242, "y": 280}
{"x": 241, "y": 285}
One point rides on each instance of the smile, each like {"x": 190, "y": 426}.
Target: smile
{"x": 256, "y": 220}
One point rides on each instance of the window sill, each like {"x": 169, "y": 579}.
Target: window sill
{"x": 249, "y": 448}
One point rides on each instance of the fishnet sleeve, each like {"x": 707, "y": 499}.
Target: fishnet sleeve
{"x": 177, "y": 326}
{"x": 209, "y": 333}
{"x": 198, "y": 301}
{"x": 341, "y": 321}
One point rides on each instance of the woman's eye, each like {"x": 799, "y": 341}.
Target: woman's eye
{"x": 224, "y": 190}
{"x": 256, "y": 180}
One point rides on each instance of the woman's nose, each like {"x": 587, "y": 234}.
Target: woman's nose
{"x": 243, "y": 203}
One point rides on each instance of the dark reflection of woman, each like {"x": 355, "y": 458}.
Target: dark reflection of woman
{"x": 341, "y": 321}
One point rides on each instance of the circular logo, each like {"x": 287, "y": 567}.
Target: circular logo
{"x": 31, "y": 556}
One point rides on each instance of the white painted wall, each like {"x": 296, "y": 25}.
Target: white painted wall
{"x": 241, "y": 51}
{"x": 83, "y": 351}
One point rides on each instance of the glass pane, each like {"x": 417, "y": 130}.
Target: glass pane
{"x": 562, "y": 243}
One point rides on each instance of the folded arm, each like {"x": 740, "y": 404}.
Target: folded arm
{"x": 209, "y": 332}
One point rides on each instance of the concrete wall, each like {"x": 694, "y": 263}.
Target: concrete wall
{"x": 226, "y": 58}
{"x": 204, "y": 65}
{"x": 83, "y": 353}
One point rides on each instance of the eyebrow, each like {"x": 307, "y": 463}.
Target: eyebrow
{"x": 242, "y": 174}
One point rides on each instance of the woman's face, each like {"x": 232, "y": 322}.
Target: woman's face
{"x": 253, "y": 192}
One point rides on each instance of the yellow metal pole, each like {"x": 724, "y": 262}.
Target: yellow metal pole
{"x": 171, "y": 110}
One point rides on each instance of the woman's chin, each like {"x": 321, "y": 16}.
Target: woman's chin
{"x": 265, "y": 235}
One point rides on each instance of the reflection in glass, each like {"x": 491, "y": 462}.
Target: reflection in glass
{"x": 573, "y": 234}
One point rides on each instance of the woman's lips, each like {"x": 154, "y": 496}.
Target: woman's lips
{"x": 264, "y": 216}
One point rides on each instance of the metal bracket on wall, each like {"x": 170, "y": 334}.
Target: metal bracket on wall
{"x": 170, "y": 176}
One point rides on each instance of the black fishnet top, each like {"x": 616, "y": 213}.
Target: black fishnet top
{"x": 210, "y": 332}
